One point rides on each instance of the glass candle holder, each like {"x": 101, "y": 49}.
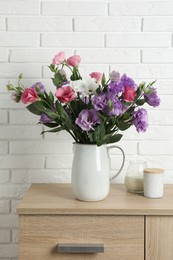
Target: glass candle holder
{"x": 134, "y": 176}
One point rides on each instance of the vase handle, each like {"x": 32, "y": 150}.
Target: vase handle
{"x": 122, "y": 165}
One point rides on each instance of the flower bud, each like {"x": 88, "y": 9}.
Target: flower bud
{"x": 10, "y": 87}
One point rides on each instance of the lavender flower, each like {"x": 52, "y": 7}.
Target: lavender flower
{"x": 140, "y": 120}
{"x": 87, "y": 119}
{"x": 107, "y": 103}
{"x": 44, "y": 119}
{"x": 114, "y": 76}
{"x": 152, "y": 99}
{"x": 127, "y": 81}
{"x": 100, "y": 101}
{"x": 38, "y": 86}
{"x": 117, "y": 108}
{"x": 116, "y": 87}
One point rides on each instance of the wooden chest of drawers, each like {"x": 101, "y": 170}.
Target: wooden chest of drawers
{"x": 54, "y": 225}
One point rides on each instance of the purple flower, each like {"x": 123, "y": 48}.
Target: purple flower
{"x": 140, "y": 120}
{"x": 107, "y": 103}
{"x": 38, "y": 86}
{"x": 116, "y": 87}
{"x": 100, "y": 101}
{"x": 44, "y": 119}
{"x": 152, "y": 99}
{"x": 114, "y": 76}
{"x": 117, "y": 108}
{"x": 119, "y": 86}
{"x": 128, "y": 82}
{"x": 87, "y": 119}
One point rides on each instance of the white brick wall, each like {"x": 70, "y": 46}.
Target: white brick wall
{"x": 132, "y": 36}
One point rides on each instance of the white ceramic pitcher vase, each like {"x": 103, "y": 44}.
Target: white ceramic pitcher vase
{"x": 91, "y": 171}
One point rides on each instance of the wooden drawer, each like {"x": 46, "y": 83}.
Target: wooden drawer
{"x": 122, "y": 236}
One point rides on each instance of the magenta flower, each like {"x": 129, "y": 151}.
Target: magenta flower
{"x": 29, "y": 95}
{"x": 87, "y": 119}
{"x": 140, "y": 120}
{"x": 97, "y": 76}
{"x": 65, "y": 94}
{"x": 74, "y": 60}
{"x": 129, "y": 94}
{"x": 59, "y": 58}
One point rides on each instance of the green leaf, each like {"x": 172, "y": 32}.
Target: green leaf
{"x": 115, "y": 138}
{"x": 64, "y": 117}
{"x": 55, "y": 130}
{"x": 99, "y": 133}
{"x": 52, "y": 67}
{"x": 152, "y": 83}
{"x": 51, "y": 97}
{"x": 36, "y": 108}
{"x": 123, "y": 126}
{"x": 101, "y": 142}
{"x": 77, "y": 106}
{"x": 98, "y": 90}
{"x": 75, "y": 74}
{"x": 140, "y": 102}
{"x": 57, "y": 81}
{"x": 52, "y": 115}
{"x": 51, "y": 125}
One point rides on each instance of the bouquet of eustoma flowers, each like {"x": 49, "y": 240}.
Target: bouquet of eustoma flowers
{"x": 93, "y": 110}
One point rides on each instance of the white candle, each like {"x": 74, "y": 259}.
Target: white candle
{"x": 153, "y": 182}
{"x": 134, "y": 183}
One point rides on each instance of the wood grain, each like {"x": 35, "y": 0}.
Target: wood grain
{"x": 159, "y": 238}
{"x": 59, "y": 199}
{"x": 122, "y": 236}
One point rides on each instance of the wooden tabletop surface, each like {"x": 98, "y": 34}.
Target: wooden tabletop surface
{"x": 59, "y": 199}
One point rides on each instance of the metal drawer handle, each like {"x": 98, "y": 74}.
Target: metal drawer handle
{"x": 81, "y": 248}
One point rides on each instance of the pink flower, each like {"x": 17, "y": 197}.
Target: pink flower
{"x": 74, "y": 60}
{"x": 59, "y": 58}
{"x": 129, "y": 94}
{"x": 97, "y": 76}
{"x": 29, "y": 95}
{"x": 65, "y": 94}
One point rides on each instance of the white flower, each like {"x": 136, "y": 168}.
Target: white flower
{"x": 85, "y": 86}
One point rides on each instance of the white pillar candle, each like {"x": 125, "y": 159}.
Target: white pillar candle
{"x": 134, "y": 183}
{"x": 153, "y": 182}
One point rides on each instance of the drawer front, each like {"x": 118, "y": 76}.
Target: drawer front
{"x": 122, "y": 236}
{"x": 159, "y": 237}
